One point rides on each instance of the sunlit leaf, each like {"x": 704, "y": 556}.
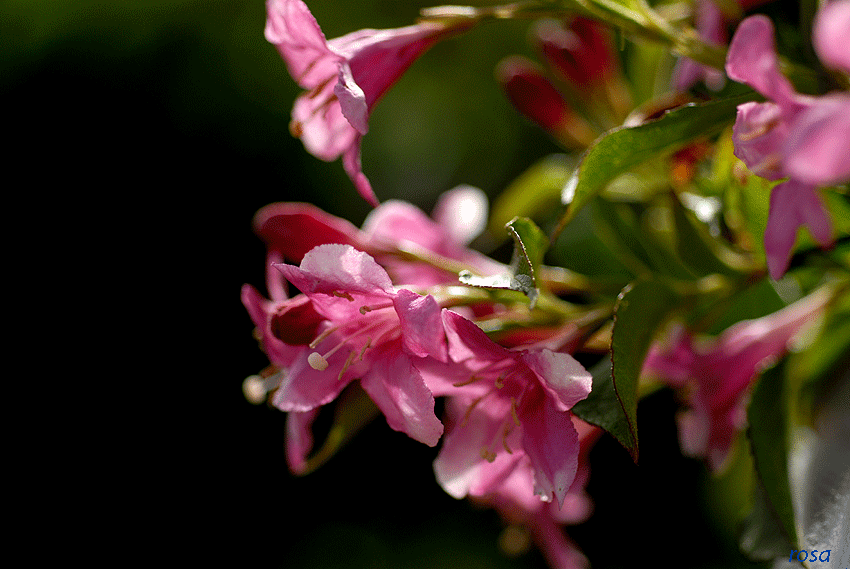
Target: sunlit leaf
{"x": 626, "y": 147}
{"x": 530, "y": 245}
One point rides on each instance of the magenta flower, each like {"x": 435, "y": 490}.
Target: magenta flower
{"x": 716, "y": 374}
{"x": 792, "y": 136}
{"x": 711, "y": 25}
{"x": 344, "y": 78}
{"x": 507, "y": 404}
{"x": 367, "y": 330}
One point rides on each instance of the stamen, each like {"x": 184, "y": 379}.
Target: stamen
{"x": 513, "y": 412}
{"x": 508, "y": 430}
{"x": 760, "y": 130}
{"x": 317, "y": 361}
{"x": 472, "y": 379}
{"x": 322, "y": 336}
{"x": 488, "y": 454}
{"x": 500, "y": 382}
{"x": 344, "y": 295}
{"x": 472, "y": 405}
{"x": 345, "y": 367}
{"x": 365, "y": 347}
{"x": 364, "y": 309}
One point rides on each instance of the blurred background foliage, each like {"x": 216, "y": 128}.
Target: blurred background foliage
{"x": 172, "y": 116}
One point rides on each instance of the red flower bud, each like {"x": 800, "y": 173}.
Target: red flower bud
{"x": 580, "y": 52}
{"x": 532, "y": 94}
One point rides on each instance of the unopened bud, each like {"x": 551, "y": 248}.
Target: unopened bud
{"x": 580, "y": 52}
{"x": 534, "y": 96}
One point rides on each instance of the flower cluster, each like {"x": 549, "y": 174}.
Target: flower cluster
{"x": 479, "y": 355}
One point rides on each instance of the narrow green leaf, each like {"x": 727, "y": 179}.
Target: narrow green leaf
{"x": 626, "y": 147}
{"x": 603, "y": 409}
{"x": 642, "y": 308}
{"x": 768, "y": 434}
{"x": 530, "y": 245}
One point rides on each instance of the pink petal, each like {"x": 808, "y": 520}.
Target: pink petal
{"x": 395, "y": 222}
{"x": 565, "y": 380}
{"x": 759, "y": 134}
{"x": 467, "y": 341}
{"x": 752, "y": 60}
{"x": 551, "y": 442}
{"x": 352, "y": 166}
{"x": 299, "y": 439}
{"x": 331, "y": 268}
{"x": 831, "y": 35}
{"x": 462, "y": 213}
{"x": 400, "y": 393}
{"x": 818, "y": 148}
{"x": 295, "y": 228}
{"x": 294, "y": 31}
{"x": 318, "y": 121}
{"x": 793, "y": 204}
{"x": 460, "y": 468}
{"x": 421, "y": 324}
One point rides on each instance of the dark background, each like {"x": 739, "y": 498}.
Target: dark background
{"x": 146, "y": 135}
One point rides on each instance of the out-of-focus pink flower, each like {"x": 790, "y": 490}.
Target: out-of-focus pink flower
{"x": 506, "y": 404}
{"x": 516, "y": 503}
{"x": 394, "y": 233}
{"x": 792, "y": 136}
{"x": 344, "y": 78}
{"x": 716, "y": 374}
{"x": 368, "y": 330}
{"x": 711, "y": 25}
{"x": 580, "y": 51}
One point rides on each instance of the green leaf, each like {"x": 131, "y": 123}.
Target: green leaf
{"x": 530, "y": 244}
{"x": 625, "y": 147}
{"x": 768, "y": 434}
{"x": 642, "y": 308}
{"x": 603, "y": 409}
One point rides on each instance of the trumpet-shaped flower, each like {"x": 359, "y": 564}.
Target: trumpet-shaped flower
{"x": 792, "y": 136}
{"x": 367, "y": 330}
{"x": 344, "y": 78}
{"x": 395, "y": 233}
{"x": 716, "y": 374}
{"x": 507, "y": 404}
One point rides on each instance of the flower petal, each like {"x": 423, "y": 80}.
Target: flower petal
{"x": 793, "y": 204}
{"x": 331, "y": 268}
{"x": 462, "y": 213}
{"x": 399, "y": 391}
{"x": 818, "y": 148}
{"x": 831, "y": 36}
{"x": 295, "y": 228}
{"x": 299, "y": 439}
{"x": 551, "y": 442}
{"x": 564, "y": 379}
{"x": 421, "y": 324}
{"x": 752, "y": 60}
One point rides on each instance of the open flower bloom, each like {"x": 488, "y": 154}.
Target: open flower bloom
{"x": 360, "y": 327}
{"x": 344, "y": 78}
{"x": 395, "y": 233}
{"x": 792, "y": 136}
{"x": 505, "y": 405}
{"x": 716, "y": 374}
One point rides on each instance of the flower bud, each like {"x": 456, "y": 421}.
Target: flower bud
{"x": 579, "y": 52}
{"x": 535, "y": 97}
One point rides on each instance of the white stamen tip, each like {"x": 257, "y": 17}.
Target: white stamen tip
{"x": 317, "y": 362}
{"x": 254, "y": 389}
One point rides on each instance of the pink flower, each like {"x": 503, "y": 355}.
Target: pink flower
{"x": 515, "y": 501}
{"x": 391, "y": 233}
{"x": 507, "y": 405}
{"x": 792, "y": 136}
{"x": 711, "y": 25}
{"x": 344, "y": 78}
{"x": 368, "y": 330}
{"x": 716, "y": 374}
